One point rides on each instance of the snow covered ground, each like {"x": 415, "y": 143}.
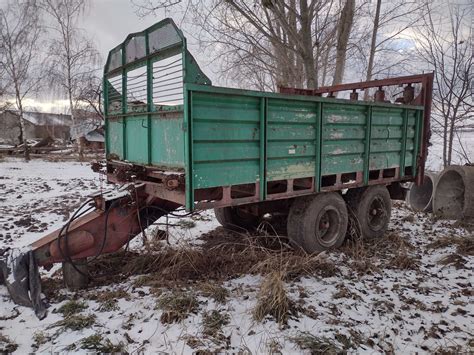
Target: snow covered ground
{"x": 412, "y": 292}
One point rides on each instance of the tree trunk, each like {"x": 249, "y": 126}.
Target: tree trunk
{"x": 452, "y": 127}
{"x": 78, "y": 142}
{"x": 445, "y": 142}
{"x": 343, "y": 32}
{"x": 307, "y": 50}
{"x": 22, "y": 132}
{"x": 325, "y": 66}
{"x": 372, "y": 47}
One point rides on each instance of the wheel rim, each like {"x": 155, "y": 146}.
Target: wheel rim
{"x": 327, "y": 226}
{"x": 377, "y": 214}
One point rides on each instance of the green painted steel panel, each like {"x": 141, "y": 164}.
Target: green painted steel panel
{"x": 137, "y": 139}
{"x": 225, "y": 140}
{"x": 115, "y": 137}
{"x": 342, "y": 164}
{"x": 167, "y": 141}
{"x": 291, "y": 139}
{"x": 343, "y": 138}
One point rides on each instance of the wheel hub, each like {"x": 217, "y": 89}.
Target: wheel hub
{"x": 376, "y": 213}
{"x": 327, "y": 227}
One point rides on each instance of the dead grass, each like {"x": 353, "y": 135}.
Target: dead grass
{"x": 464, "y": 245}
{"x": 391, "y": 250}
{"x": 40, "y": 338}
{"x": 108, "y": 299}
{"x": 404, "y": 261}
{"x": 315, "y": 345}
{"x": 344, "y": 292}
{"x": 99, "y": 344}
{"x": 71, "y": 307}
{"x": 7, "y": 345}
{"x": 273, "y": 301}
{"x": 177, "y": 306}
{"x": 218, "y": 293}
{"x": 455, "y": 260}
{"x": 213, "y": 322}
{"x": 223, "y": 256}
{"x": 296, "y": 264}
{"x": 75, "y": 322}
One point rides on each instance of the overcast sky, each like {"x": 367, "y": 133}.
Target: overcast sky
{"x": 108, "y": 22}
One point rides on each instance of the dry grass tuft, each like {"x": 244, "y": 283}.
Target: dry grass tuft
{"x": 7, "y": 346}
{"x": 455, "y": 260}
{"x": 177, "y": 306}
{"x": 100, "y": 345}
{"x": 213, "y": 322}
{"x": 404, "y": 261}
{"x": 464, "y": 245}
{"x": 273, "y": 300}
{"x": 71, "y": 307}
{"x": 315, "y": 345}
{"x": 218, "y": 293}
{"x": 296, "y": 264}
{"x": 391, "y": 250}
{"x": 223, "y": 256}
{"x": 76, "y": 322}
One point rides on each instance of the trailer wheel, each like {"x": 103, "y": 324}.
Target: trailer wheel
{"x": 372, "y": 208}
{"x": 318, "y": 223}
{"x": 295, "y": 216}
{"x": 236, "y": 218}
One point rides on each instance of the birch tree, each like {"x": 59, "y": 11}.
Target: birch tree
{"x": 20, "y": 32}
{"x": 74, "y": 58}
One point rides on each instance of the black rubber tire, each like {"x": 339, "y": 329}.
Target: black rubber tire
{"x": 364, "y": 202}
{"x": 293, "y": 224}
{"x": 235, "y": 218}
{"x": 307, "y": 216}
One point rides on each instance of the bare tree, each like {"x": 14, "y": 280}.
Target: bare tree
{"x": 74, "y": 57}
{"x": 269, "y": 43}
{"x": 383, "y": 38}
{"x": 447, "y": 47}
{"x": 90, "y": 96}
{"x": 373, "y": 43}
{"x": 20, "y": 32}
{"x": 343, "y": 32}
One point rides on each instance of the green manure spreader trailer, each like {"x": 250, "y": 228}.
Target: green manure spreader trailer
{"x": 173, "y": 140}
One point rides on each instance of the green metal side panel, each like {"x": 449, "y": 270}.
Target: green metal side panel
{"x": 167, "y": 141}
{"x": 136, "y": 137}
{"x": 115, "y": 137}
{"x": 225, "y": 140}
{"x": 240, "y": 137}
{"x": 291, "y": 139}
{"x": 410, "y": 137}
{"x": 343, "y": 138}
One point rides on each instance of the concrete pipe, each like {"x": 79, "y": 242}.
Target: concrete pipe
{"x": 454, "y": 193}
{"x": 420, "y": 198}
